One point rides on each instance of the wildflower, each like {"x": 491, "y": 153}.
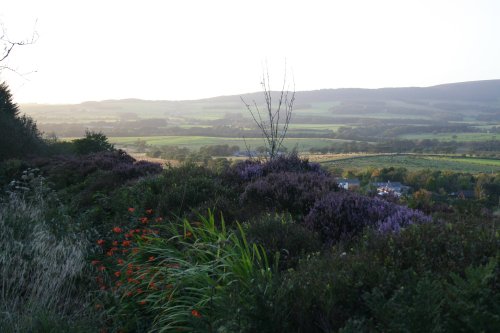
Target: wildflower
{"x": 94, "y": 262}
{"x": 188, "y": 234}
{"x": 196, "y": 313}
{"x": 124, "y": 251}
{"x": 129, "y": 235}
{"x": 152, "y": 258}
{"x": 131, "y": 209}
{"x": 158, "y": 219}
{"x": 115, "y": 243}
{"x": 129, "y": 294}
{"x": 126, "y": 243}
{"x": 144, "y": 220}
{"x": 139, "y": 291}
{"x": 118, "y": 273}
{"x": 101, "y": 268}
{"x": 129, "y": 272}
{"x": 120, "y": 261}
{"x": 119, "y": 283}
{"x": 149, "y": 211}
{"x": 117, "y": 230}
{"x": 142, "y": 302}
{"x": 100, "y": 242}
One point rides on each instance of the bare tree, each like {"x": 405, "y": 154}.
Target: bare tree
{"x": 274, "y": 120}
{"x": 7, "y": 46}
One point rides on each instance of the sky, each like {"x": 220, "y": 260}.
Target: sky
{"x": 188, "y": 49}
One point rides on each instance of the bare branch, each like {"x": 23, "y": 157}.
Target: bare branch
{"x": 276, "y": 123}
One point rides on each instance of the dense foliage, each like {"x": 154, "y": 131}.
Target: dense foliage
{"x": 20, "y": 135}
{"x": 255, "y": 246}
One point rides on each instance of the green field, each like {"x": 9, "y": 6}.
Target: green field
{"x": 414, "y": 162}
{"x": 195, "y": 142}
{"x": 452, "y": 136}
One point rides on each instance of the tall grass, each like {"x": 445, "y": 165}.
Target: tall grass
{"x": 39, "y": 269}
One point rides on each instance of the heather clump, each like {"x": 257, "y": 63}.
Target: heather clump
{"x": 342, "y": 215}
{"x": 287, "y": 191}
{"x": 252, "y": 169}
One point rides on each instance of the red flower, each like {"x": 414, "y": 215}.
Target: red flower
{"x": 196, "y": 313}
{"x": 94, "y": 262}
{"x": 152, "y": 258}
{"x": 120, "y": 261}
{"x": 115, "y": 243}
{"x": 101, "y": 268}
{"x": 149, "y": 211}
{"x": 142, "y": 302}
{"x": 158, "y": 219}
{"x": 144, "y": 220}
{"x": 126, "y": 243}
{"x": 117, "y": 230}
{"x": 100, "y": 242}
{"x": 117, "y": 274}
{"x": 131, "y": 209}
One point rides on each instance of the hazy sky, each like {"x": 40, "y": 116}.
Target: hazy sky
{"x": 187, "y": 49}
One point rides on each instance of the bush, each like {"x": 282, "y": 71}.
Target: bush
{"x": 428, "y": 277}
{"x": 93, "y": 142}
{"x": 342, "y": 215}
{"x": 280, "y": 236}
{"x": 288, "y": 191}
{"x": 179, "y": 191}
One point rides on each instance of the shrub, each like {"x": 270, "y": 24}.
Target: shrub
{"x": 280, "y": 236}
{"x": 179, "y": 191}
{"x": 252, "y": 169}
{"x": 93, "y": 142}
{"x": 342, "y": 215}
{"x": 428, "y": 277}
{"x": 286, "y": 191}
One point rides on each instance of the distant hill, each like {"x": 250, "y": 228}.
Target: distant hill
{"x": 477, "y": 101}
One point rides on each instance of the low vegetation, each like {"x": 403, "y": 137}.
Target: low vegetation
{"x": 94, "y": 241}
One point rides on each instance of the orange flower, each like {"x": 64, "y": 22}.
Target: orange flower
{"x": 109, "y": 253}
{"x": 126, "y": 243}
{"x": 188, "y": 234}
{"x": 131, "y": 209}
{"x": 100, "y": 242}
{"x": 152, "y": 258}
{"x": 117, "y": 230}
{"x": 196, "y": 313}
{"x": 149, "y": 211}
{"x": 118, "y": 273}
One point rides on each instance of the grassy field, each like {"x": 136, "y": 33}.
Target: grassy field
{"x": 452, "y": 136}
{"x": 414, "y": 162}
{"x": 195, "y": 142}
